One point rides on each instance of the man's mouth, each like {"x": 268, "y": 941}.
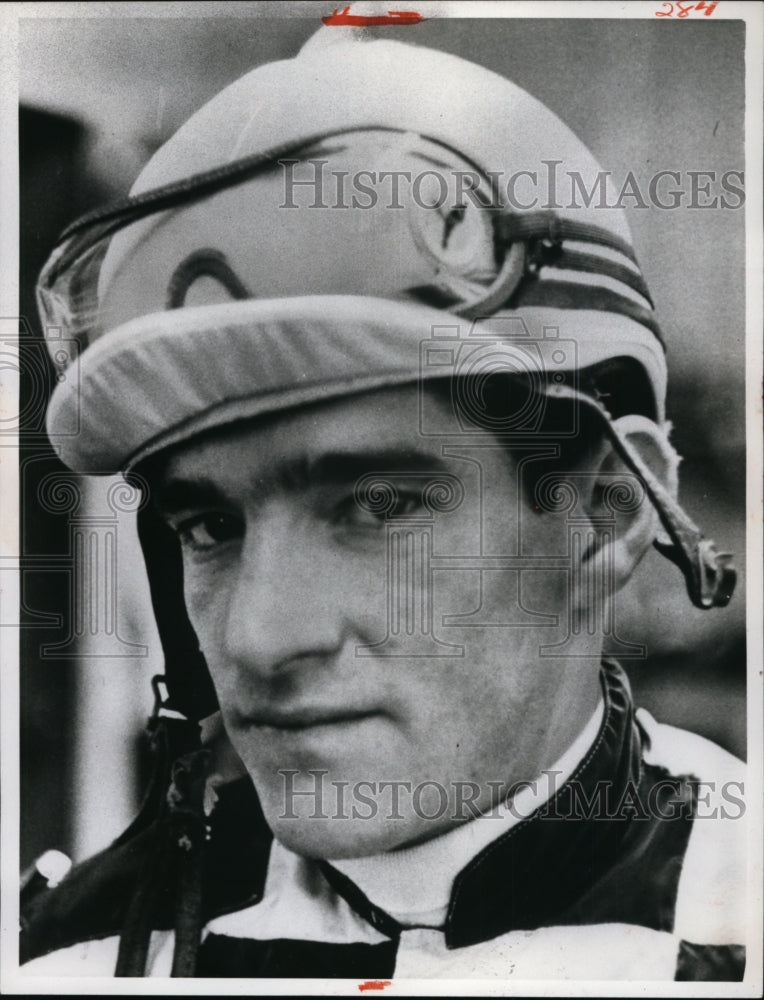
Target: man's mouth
{"x": 302, "y": 719}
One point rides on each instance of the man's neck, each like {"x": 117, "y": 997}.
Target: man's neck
{"x": 413, "y": 884}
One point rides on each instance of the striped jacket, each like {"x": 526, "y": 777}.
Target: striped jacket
{"x": 634, "y": 870}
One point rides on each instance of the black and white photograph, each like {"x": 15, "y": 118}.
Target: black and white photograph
{"x": 380, "y": 442}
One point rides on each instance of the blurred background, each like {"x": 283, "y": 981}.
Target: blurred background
{"x": 99, "y": 95}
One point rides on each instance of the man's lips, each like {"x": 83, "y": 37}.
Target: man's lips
{"x": 297, "y": 720}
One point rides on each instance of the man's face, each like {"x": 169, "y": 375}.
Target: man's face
{"x": 355, "y": 642}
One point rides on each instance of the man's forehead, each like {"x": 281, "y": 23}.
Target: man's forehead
{"x": 337, "y": 441}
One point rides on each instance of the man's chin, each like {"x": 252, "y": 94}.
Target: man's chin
{"x": 329, "y": 838}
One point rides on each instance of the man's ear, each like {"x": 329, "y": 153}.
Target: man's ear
{"x": 625, "y": 520}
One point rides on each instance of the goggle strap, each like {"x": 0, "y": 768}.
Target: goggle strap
{"x": 544, "y": 226}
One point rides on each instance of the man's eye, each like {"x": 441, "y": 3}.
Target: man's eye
{"x": 352, "y": 514}
{"x": 206, "y": 531}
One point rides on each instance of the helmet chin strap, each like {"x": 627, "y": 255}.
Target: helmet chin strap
{"x": 709, "y": 575}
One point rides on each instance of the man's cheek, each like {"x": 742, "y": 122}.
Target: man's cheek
{"x": 363, "y": 589}
{"x": 206, "y": 607}
{"x": 544, "y": 591}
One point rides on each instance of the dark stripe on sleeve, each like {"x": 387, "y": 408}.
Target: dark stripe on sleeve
{"x": 222, "y": 957}
{"x": 710, "y": 963}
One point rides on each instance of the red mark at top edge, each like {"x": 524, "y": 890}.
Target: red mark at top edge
{"x": 345, "y": 18}
{"x": 374, "y": 984}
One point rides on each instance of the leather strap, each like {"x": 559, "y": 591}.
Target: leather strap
{"x": 549, "y": 226}
{"x": 709, "y": 575}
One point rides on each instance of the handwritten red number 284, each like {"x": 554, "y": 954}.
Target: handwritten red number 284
{"x": 684, "y": 9}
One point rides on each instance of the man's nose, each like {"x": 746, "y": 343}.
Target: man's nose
{"x": 287, "y": 601}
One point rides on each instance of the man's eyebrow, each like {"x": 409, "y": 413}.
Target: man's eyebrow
{"x": 293, "y": 475}
{"x": 347, "y": 467}
{"x": 176, "y": 493}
